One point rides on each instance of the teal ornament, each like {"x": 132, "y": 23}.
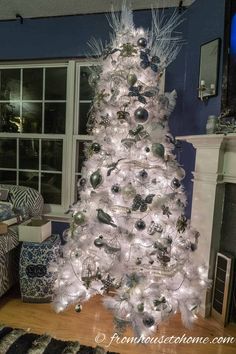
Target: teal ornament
{"x": 105, "y": 218}
{"x": 131, "y": 79}
{"x": 79, "y": 218}
{"x": 158, "y": 150}
{"x": 140, "y": 307}
{"x": 141, "y": 115}
{"x": 96, "y": 179}
{"x": 96, "y": 147}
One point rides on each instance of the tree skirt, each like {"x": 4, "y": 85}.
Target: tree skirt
{"x": 18, "y": 341}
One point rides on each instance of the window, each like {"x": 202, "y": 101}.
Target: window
{"x": 43, "y": 117}
{"x": 84, "y": 95}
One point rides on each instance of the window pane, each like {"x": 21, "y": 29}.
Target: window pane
{"x": 55, "y": 118}
{"x": 29, "y": 154}
{"x": 83, "y": 117}
{"x": 8, "y": 153}
{"x": 55, "y": 83}
{"x": 32, "y": 84}
{"x": 52, "y": 155}
{"x": 7, "y": 177}
{"x": 10, "y": 84}
{"x": 51, "y": 188}
{"x": 80, "y": 156}
{"x": 86, "y": 91}
{"x": 10, "y": 117}
{"x": 29, "y": 179}
{"x": 32, "y": 117}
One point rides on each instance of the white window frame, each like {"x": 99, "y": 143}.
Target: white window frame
{"x": 71, "y": 136}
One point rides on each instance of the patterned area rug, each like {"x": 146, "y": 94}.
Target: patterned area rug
{"x": 18, "y": 341}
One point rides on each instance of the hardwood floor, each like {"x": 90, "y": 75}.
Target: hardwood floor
{"x": 94, "y": 319}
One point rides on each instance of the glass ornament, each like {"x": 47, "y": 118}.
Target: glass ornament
{"x": 82, "y": 182}
{"x": 140, "y": 225}
{"x": 158, "y": 150}
{"x": 79, "y": 218}
{"x": 143, "y": 174}
{"x": 96, "y": 147}
{"x": 128, "y": 191}
{"x": 78, "y": 308}
{"x": 96, "y": 179}
{"x": 131, "y": 79}
{"x": 88, "y": 270}
{"x": 140, "y": 307}
{"x": 98, "y": 242}
{"x": 65, "y": 235}
{"x": 141, "y": 115}
{"x": 115, "y": 188}
{"x": 142, "y": 42}
{"x": 175, "y": 183}
{"x": 138, "y": 261}
{"x": 93, "y": 79}
{"x": 148, "y": 320}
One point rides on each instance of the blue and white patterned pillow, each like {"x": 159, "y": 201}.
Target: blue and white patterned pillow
{"x": 6, "y": 212}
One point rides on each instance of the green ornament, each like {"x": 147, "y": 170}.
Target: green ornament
{"x": 128, "y": 191}
{"x": 96, "y": 179}
{"x": 140, "y": 307}
{"x": 158, "y": 150}
{"x": 79, "y": 218}
{"x": 131, "y": 79}
{"x": 128, "y": 50}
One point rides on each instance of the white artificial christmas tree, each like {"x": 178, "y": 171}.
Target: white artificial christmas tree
{"x": 129, "y": 235}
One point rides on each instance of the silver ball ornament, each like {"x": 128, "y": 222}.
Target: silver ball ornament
{"x": 140, "y": 225}
{"x": 142, "y": 42}
{"x": 98, "y": 242}
{"x": 96, "y": 147}
{"x": 141, "y": 115}
{"x": 79, "y": 218}
{"x": 175, "y": 183}
{"x": 148, "y": 320}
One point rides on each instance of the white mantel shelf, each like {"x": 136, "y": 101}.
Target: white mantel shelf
{"x": 215, "y": 165}
{"x": 208, "y": 139}
{"x": 215, "y": 156}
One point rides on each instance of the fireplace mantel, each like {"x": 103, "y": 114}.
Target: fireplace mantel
{"x": 215, "y": 165}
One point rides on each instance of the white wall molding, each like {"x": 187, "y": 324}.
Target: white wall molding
{"x": 215, "y": 165}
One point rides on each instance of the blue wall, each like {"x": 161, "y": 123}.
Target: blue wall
{"x": 204, "y": 22}
{"x": 66, "y": 37}
{"x": 58, "y": 37}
